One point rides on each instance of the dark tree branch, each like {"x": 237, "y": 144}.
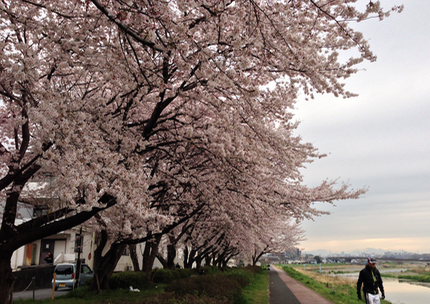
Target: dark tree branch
{"x": 127, "y": 29}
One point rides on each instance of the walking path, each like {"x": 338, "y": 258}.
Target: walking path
{"x": 39, "y": 294}
{"x": 285, "y": 290}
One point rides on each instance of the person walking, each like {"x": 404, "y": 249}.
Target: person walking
{"x": 371, "y": 280}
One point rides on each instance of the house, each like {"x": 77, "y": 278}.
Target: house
{"x": 65, "y": 246}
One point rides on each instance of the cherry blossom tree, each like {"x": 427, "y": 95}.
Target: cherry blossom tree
{"x": 279, "y": 236}
{"x": 97, "y": 92}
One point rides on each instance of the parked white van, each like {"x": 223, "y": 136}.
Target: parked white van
{"x": 66, "y": 276}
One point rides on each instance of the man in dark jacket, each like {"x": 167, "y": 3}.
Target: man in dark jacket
{"x": 371, "y": 280}
{"x": 49, "y": 259}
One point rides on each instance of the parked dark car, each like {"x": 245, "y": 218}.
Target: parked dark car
{"x": 66, "y": 276}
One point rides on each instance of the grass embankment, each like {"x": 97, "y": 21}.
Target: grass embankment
{"x": 336, "y": 289}
{"x": 257, "y": 291}
{"x": 247, "y": 285}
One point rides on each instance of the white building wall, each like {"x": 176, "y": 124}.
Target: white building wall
{"x": 17, "y": 258}
{"x": 59, "y": 248}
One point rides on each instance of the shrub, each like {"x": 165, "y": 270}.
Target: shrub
{"x": 137, "y": 279}
{"x": 214, "y": 286}
{"x": 182, "y": 273}
{"x": 244, "y": 278}
{"x": 253, "y": 269}
{"x": 88, "y": 282}
{"x": 207, "y": 270}
{"x": 163, "y": 276}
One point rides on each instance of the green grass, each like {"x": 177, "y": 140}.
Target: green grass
{"x": 257, "y": 291}
{"x": 337, "y": 293}
{"x": 415, "y": 278}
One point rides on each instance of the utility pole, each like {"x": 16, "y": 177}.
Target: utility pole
{"x": 78, "y": 264}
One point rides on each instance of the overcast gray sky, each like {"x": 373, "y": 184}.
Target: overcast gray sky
{"x": 379, "y": 140}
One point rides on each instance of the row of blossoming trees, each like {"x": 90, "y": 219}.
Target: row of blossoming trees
{"x": 158, "y": 122}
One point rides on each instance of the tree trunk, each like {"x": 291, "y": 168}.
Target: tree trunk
{"x": 189, "y": 258}
{"x": 171, "y": 255}
{"x": 169, "y": 261}
{"x": 6, "y": 278}
{"x": 134, "y": 258}
{"x": 198, "y": 261}
{"x": 218, "y": 261}
{"x": 8, "y": 236}
{"x": 162, "y": 260}
{"x": 256, "y": 256}
{"x": 207, "y": 260}
{"x": 214, "y": 260}
{"x": 186, "y": 254}
{"x": 107, "y": 265}
{"x": 104, "y": 266}
{"x": 150, "y": 253}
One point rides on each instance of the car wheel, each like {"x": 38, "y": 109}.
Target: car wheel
{"x": 56, "y": 288}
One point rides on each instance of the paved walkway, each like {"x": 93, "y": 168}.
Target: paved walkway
{"x": 39, "y": 294}
{"x": 285, "y": 290}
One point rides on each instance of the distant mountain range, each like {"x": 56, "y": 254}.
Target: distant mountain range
{"x": 357, "y": 252}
